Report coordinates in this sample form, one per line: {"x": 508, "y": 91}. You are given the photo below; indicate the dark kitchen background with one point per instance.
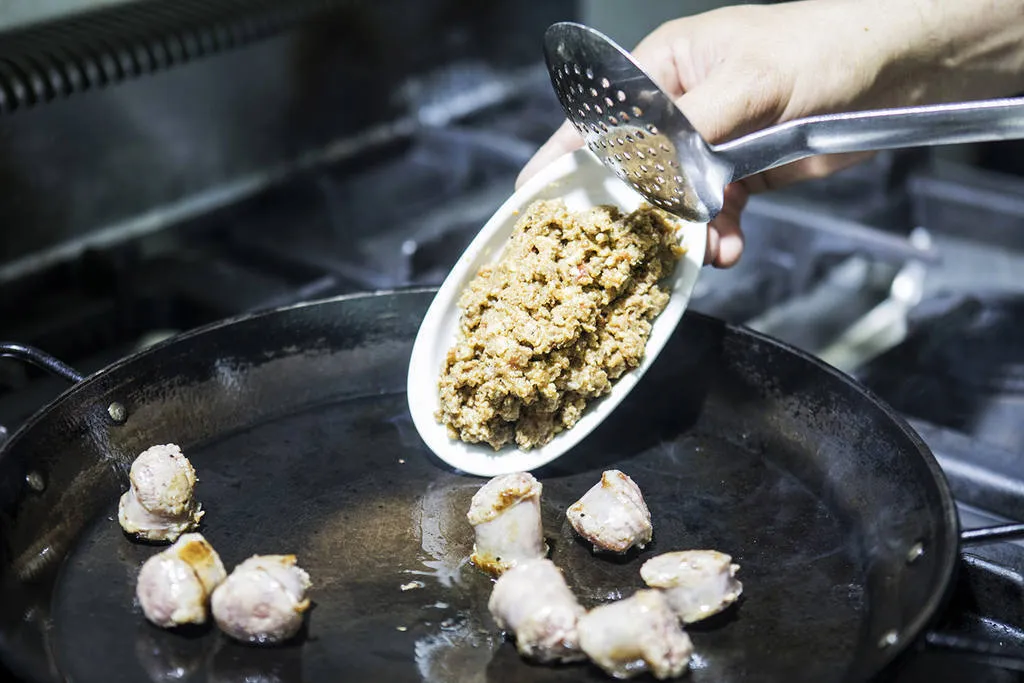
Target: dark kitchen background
{"x": 167, "y": 164}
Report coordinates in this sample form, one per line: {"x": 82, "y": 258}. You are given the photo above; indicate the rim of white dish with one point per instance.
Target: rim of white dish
{"x": 582, "y": 180}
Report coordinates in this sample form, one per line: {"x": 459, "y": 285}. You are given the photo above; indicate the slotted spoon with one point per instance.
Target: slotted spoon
{"x": 636, "y": 129}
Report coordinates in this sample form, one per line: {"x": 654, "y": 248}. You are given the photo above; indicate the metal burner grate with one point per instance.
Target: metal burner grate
{"x": 52, "y": 60}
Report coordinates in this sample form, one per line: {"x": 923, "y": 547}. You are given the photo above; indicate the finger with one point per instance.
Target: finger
{"x": 564, "y": 140}
{"x": 727, "y": 226}
{"x": 811, "y": 168}
{"x": 654, "y": 54}
{"x": 731, "y": 102}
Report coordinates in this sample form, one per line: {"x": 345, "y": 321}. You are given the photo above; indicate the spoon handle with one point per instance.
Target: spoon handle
{"x": 943, "y": 124}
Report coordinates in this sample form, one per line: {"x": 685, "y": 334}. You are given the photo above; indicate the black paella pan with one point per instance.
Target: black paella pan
{"x": 297, "y": 424}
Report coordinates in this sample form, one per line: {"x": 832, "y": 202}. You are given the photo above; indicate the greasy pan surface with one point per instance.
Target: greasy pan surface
{"x": 297, "y": 424}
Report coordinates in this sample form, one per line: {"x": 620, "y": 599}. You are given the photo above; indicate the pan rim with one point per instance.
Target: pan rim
{"x": 950, "y": 518}
{"x": 114, "y": 366}
{"x": 949, "y": 534}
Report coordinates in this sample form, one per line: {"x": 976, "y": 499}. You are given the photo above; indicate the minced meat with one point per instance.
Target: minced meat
{"x": 564, "y": 313}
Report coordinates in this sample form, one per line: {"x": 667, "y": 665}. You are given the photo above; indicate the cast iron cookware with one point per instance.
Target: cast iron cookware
{"x": 297, "y": 423}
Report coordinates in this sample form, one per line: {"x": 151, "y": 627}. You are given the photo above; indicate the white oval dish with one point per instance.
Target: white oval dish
{"x": 582, "y": 181}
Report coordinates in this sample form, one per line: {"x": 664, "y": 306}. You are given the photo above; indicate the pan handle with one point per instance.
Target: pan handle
{"x": 40, "y": 359}
{"x": 991, "y": 534}
{"x": 980, "y": 650}
{"x": 984, "y": 651}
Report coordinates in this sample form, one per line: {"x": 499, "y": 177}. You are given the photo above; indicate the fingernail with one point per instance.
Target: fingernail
{"x": 730, "y": 248}
{"x": 711, "y": 252}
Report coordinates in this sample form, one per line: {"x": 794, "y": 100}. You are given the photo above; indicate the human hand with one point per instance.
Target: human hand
{"x": 739, "y": 69}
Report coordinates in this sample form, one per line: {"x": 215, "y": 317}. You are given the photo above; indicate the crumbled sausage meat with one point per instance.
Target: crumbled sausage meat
{"x": 565, "y": 312}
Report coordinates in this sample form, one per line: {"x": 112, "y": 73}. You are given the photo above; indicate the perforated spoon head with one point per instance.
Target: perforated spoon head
{"x": 632, "y": 125}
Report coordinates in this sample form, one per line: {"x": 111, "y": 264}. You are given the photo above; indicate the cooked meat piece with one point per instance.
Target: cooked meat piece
{"x": 533, "y": 601}
{"x": 145, "y": 525}
{"x": 505, "y": 514}
{"x": 174, "y": 585}
{"x": 612, "y": 515}
{"x": 697, "y": 583}
{"x": 636, "y": 635}
{"x": 263, "y": 600}
{"x": 159, "y": 504}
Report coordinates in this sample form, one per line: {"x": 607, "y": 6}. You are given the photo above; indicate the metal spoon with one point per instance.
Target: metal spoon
{"x": 636, "y": 129}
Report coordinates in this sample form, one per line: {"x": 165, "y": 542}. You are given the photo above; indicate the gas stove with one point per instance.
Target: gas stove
{"x": 904, "y": 272}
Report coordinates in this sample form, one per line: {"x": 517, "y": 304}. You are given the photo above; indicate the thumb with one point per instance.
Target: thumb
{"x": 564, "y": 140}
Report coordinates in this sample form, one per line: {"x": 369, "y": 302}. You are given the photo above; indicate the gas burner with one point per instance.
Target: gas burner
{"x": 988, "y": 356}
{"x": 961, "y": 367}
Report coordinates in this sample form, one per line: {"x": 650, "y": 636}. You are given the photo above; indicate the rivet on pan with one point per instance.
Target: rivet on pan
{"x": 889, "y": 638}
{"x": 35, "y": 481}
{"x": 916, "y": 551}
{"x": 117, "y": 413}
